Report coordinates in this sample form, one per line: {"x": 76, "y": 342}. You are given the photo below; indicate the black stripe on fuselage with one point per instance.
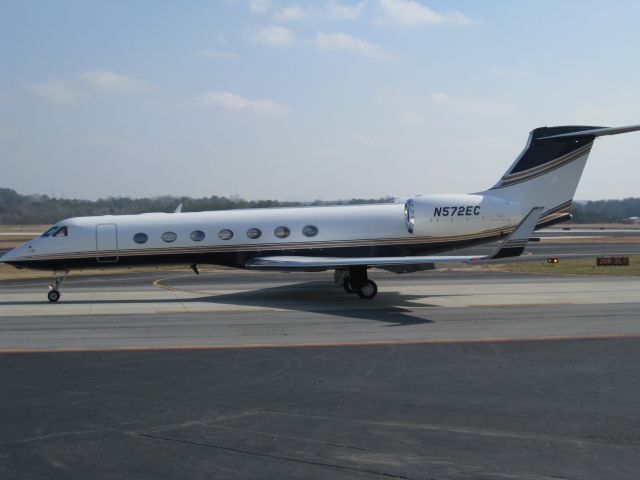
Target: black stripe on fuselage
{"x": 273, "y": 247}
{"x": 564, "y": 217}
{"x": 238, "y": 259}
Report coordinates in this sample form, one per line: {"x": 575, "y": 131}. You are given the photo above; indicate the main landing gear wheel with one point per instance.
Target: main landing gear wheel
{"x": 53, "y": 295}
{"x": 347, "y": 286}
{"x": 370, "y": 290}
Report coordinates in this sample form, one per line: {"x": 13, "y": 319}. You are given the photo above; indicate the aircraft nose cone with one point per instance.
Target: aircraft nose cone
{"x": 11, "y": 255}
{"x": 6, "y": 257}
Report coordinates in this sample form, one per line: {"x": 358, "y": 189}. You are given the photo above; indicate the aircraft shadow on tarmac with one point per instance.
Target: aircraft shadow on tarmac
{"x": 325, "y": 298}
{"x": 318, "y": 297}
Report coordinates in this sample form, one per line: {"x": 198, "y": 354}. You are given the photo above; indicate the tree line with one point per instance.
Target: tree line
{"x": 605, "y": 211}
{"x": 17, "y": 209}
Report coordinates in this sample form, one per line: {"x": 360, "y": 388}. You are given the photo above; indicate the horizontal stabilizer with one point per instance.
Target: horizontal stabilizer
{"x": 596, "y": 132}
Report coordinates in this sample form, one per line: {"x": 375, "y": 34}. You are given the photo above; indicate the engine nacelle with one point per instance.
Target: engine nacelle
{"x": 459, "y": 214}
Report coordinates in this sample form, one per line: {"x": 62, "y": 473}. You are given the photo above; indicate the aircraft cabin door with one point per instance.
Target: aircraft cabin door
{"x": 107, "y": 243}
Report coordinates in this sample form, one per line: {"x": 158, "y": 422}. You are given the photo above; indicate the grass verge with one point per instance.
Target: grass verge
{"x": 573, "y": 266}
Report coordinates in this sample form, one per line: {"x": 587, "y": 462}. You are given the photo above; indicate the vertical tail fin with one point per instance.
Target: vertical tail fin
{"x": 548, "y": 170}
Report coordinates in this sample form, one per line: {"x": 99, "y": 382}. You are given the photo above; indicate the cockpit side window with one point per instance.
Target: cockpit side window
{"x": 62, "y": 232}
{"x": 50, "y": 231}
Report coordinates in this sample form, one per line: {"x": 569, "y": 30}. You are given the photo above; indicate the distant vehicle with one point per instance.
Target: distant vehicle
{"x": 535, "y": 192}
{"x": 631, "y": 220}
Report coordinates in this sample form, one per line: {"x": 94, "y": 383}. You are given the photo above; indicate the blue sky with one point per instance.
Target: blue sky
{"x": 306, "y": 100}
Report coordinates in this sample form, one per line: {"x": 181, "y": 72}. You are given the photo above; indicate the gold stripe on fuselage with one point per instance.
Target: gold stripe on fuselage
{"x": 277, "y": 246}
{"x": 409, "y": 241}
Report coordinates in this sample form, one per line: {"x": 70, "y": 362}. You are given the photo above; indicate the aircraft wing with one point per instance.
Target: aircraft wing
{"x": 301, "y": 263}
{"x": 512, "y": 246}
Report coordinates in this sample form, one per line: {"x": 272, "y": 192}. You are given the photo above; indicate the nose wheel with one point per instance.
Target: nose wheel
{"x": 54, "y": 293}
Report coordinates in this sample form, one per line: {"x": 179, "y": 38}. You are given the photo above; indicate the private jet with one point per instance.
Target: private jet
{"x": 401, "y": 236}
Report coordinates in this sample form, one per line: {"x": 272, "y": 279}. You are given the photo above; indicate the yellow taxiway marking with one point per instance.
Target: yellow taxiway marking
{"x": 445, "y": 341}
{"x": 158, "y": 283}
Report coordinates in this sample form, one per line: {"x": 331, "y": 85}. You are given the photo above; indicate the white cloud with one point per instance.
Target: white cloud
{"x": 273, "y": 35}
{"x": 55, "y": 91}
{"x": 213, "y": 53}
{"x": 469, "y": 104}
{"x": 340, "y": 11}
{"x": 345, "y": 42}
{"x": 235, "y": 103}
{"x": 414, "y": 14}
{"x": 332, "y": 10}
{"x": 113, "y": 82}
{"x": 259, "y": 7}
{"x": 292, "y": 12}
{"x": 411, "y": 118}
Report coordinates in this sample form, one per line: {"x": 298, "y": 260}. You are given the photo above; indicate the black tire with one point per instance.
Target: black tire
{"x": 369, "y": 291}
{"x": 53, "y": 295}
{"x": 347, "y": 285}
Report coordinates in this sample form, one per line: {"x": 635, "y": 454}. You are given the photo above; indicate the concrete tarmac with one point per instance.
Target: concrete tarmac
{"x": 223, "y": 309}
{"x": 232, "y": 374}
{"x": 491, "y": 410}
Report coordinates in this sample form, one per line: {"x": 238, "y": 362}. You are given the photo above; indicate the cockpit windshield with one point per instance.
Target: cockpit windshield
{"x": 56, "y": 231}
{"x": 50, "y": 231}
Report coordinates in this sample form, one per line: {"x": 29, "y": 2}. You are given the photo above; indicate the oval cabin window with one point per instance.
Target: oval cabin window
{"x": 140, "y": 238}
{"x": 254, "y": 233}
{"x": 310, "y": 231}
{"x": 282, "y": 232}
{"x": 197, "y": 235}
{"x": 169, "y": 237}
{"x": 225, "y": 234}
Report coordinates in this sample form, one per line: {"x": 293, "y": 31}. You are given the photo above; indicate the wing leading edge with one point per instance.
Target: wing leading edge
{"x": 512, "y": 246}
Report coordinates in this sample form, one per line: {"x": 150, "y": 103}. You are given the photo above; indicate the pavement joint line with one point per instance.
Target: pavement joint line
{"x": 373, "y": 343}
{"x": 378, "y": 473}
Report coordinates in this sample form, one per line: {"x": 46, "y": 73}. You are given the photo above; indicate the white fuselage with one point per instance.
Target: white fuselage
{"x": 336, "y": 230}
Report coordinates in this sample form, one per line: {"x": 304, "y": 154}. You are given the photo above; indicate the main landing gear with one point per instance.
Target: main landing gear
{"x": 355, "y": 280}
{"x": 54, "y": 293}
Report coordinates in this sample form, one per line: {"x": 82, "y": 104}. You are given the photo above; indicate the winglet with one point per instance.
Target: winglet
{"x": 516, "y": 241}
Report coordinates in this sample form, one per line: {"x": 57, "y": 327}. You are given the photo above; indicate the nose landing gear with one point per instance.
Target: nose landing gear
{"x": 54, "y": 293}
